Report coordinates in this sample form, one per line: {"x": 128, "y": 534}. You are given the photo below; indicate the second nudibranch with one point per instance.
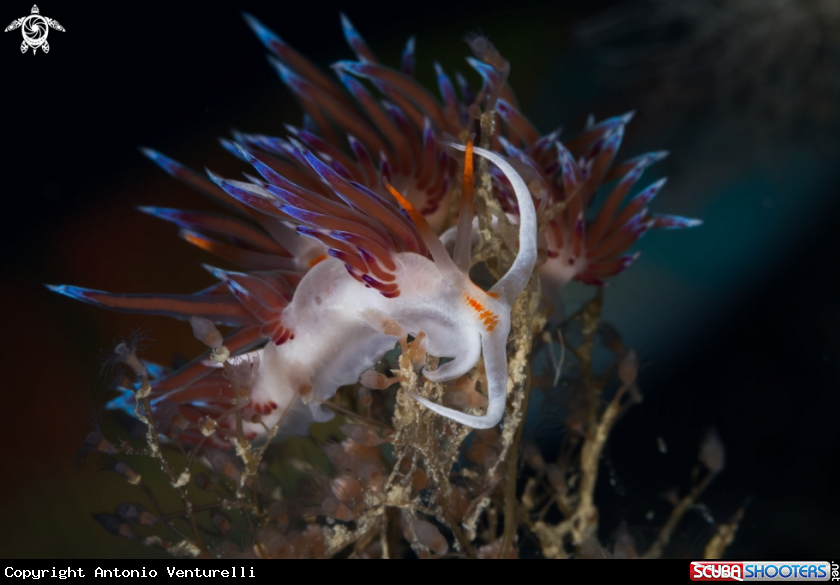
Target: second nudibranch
{"x": 341, "y": 328}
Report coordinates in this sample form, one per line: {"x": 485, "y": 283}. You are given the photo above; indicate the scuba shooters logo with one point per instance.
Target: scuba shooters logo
{"x": 797, "y": 571}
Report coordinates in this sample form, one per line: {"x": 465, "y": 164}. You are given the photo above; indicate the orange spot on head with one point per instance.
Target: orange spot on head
{"x": 487, "y": 317}
{"x": 475, "y": 304}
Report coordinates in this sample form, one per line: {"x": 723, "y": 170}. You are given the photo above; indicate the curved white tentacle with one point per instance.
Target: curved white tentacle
{"x": 513, "y": 282}
{"x": 459, "y": 366}
{"x": 508, "y": 288}
{"x": 495, "y": 364}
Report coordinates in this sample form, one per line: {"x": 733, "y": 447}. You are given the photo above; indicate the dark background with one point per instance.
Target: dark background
{"x": 736, "y": 321}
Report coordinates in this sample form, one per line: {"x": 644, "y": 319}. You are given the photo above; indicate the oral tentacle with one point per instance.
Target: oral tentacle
{"x": 495, "y": 364}
{"x": 514, "y": 281}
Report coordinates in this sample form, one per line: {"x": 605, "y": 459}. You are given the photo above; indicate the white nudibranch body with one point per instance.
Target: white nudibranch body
{"x": 340, "y": 325}
{"x": 382, "y": 273}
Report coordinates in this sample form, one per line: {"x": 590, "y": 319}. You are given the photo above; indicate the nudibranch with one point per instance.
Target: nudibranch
{"x": 386, "y": 275}
{"x": 346, "y": 313}
{"x": 337, "y": 239}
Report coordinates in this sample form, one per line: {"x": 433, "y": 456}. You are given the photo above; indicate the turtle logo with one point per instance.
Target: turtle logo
{"x": 35, "y": 28}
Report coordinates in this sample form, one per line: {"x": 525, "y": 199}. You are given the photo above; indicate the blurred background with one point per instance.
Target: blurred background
{"x": 737, "y": 322}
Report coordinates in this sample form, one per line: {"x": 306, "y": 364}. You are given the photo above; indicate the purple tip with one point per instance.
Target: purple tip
{"x": 627, "y": 261}
{"x": 407, "y": 60}
{"x": 218, "y": 179}
{"x": 675, "y": 222}
{"x": 447, "y": 91}
{"x": 161, "y": 212}
{"x": 487, "y": 72}
{"x": 156, "y": 211}
{"x": 566, "y": 163}
{"x": 614, "y": 122}
{"x": 217, "y": 272}
{"x": 287, "y": 75}
{"x": 614, "y": 141}
{"x": 74, "y": 292}
{"x": 233, "y": 148}
{"x": 354, "y": 67}
{"x": 268, "y": 38}
{"x": 163, "y": 161}
{"x": 651, "y": 191}
{"x": 657, "y": 156}
{"x": 354, "y": 39}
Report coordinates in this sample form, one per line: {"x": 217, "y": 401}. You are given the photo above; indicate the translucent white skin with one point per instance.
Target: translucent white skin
{"x": 339, "y": 325}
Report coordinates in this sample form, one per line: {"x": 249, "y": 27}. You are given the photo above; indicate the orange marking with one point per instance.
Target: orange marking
{"x": 317, "y": 260}
{"x": 196, "y": 240}
{"x": 467, "y": 180}
{"x": 486, "y": 316}
{"x": 494, "y": 295}
{"x": 416, "y": 217}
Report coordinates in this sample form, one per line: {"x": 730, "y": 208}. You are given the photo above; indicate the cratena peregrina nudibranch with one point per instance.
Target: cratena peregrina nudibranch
{"x": 340, "y": 252}
{"x": 386, "y": 274}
